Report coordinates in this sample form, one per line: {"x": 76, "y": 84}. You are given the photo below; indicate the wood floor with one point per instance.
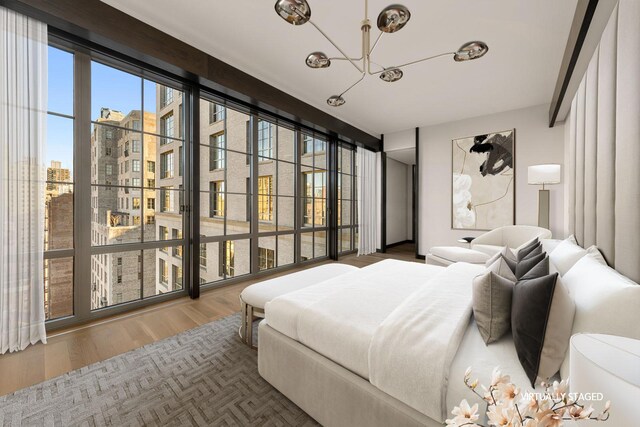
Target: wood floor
{"x": 81, "y": 346}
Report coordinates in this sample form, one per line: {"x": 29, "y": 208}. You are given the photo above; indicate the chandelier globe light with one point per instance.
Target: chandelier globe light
{"x": 390, "y": 20}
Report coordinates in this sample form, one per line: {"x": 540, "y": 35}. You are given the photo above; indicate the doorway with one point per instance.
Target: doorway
{"x": 400, "y": 206}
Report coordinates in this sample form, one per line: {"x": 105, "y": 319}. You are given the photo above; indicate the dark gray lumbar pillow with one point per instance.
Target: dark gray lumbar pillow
{"x": 541, "y": 319}
{"x": 527, "y": 264}
{"x": 538, "y": 270}
{"x": 524, "y": 251}
{"x": 492, "y": 305}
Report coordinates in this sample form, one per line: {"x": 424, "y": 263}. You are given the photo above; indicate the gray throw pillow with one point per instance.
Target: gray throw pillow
{"x": 525, "y": 265}
{"x": 508, "y": 256}
{"x": 502, "y": 269}
{"x": 541, "y": 320}
{"x": 524, "y": 252}
{"x": 493, "y": 258}
{"x": 538, "y": 270}
{"x": 492, "y": 305}
{"x": 534, "y": 252}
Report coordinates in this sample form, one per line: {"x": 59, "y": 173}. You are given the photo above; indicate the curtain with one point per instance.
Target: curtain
{"x": 603, "y": 154}
{"x": 367, "y": 201}
{"x": 23, "y": 106}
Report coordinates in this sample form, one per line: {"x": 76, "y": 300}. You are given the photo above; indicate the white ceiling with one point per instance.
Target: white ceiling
{"x": 526, "y": 41}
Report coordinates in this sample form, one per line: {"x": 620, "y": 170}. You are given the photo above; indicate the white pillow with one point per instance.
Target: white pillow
{"x": 548, "y": 245}
{"x": 566, "y": 254}
{"x": 606, "y": 302}
{"x": 595, "y": 253}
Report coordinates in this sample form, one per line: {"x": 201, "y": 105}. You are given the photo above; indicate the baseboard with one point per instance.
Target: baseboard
{"x": 392, "y": 245}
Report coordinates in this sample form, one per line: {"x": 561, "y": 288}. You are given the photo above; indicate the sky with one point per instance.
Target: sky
{"x": 110, "y": 88}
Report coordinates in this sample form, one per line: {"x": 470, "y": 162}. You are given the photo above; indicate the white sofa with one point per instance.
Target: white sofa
{"x": 486, "y": 245}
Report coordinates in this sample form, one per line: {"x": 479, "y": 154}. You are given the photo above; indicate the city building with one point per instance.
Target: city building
{"x": 123, "y": 208}
{"x": 58, "y": 234}
{"x": 56, "y": 177}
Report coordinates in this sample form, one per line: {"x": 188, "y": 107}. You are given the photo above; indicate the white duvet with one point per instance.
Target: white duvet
{"x": 337, "y": 318}
{"x": 413, "y": 348}
{"x": 403, "y": 326}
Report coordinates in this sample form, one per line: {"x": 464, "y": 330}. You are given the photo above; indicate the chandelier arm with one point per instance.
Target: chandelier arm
{"x": 417, "y": 61}
{"x": 376, "y": 42}
{"x": 377, "y": 65}
{"x": 340, "y": 58}
{"x": 335, "y": 45}
{"x": 353, "y": 85}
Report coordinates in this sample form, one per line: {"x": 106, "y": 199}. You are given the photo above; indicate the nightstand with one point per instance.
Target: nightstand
{"x": 609, "y": 365}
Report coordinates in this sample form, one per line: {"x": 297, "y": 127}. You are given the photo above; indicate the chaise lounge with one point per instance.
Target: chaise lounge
{"x": 486, "y": 245}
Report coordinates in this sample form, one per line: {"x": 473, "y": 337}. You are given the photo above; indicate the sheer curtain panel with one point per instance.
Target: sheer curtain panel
{"x": 367, "y": 201}
{"x": 23, "y": 104}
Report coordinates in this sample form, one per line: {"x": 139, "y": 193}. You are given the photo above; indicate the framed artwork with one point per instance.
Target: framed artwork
{"x": 483, "y": 181}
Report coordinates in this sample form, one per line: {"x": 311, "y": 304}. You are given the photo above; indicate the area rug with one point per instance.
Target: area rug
{"x": 202, "y": 377}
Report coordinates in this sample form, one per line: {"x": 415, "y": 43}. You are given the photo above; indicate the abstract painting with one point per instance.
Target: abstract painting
{"x": 483, "y": 181}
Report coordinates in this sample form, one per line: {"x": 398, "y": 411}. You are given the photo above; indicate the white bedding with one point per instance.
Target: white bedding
{"x": 424, "y": 333}
{"x": 482, "y": 358}
{"x": 338, "y": 318}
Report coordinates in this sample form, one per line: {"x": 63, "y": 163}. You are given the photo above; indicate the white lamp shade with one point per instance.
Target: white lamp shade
{"x": 609, "y": 365}
{"x": 544, "y": 174}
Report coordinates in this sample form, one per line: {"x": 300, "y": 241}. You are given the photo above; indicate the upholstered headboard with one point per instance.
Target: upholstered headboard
{"x": 602, "y": 168}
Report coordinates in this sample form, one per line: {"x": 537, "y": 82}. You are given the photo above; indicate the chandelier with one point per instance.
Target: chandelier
{"x": 391, "y": 19}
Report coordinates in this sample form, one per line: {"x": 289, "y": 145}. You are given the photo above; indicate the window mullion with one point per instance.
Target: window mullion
{"x": 255, "y": 226}
{"x": 82, "y": 195}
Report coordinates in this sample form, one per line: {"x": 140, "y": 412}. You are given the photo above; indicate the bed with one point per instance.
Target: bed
{"x": 365, "y": 352}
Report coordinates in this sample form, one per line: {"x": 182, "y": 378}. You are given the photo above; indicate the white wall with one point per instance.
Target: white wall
{"x": 379, "y": 199}
{"x": 535, "y": 143}
{"x": 400, "y": 140}
{"x": 396, "y": 201}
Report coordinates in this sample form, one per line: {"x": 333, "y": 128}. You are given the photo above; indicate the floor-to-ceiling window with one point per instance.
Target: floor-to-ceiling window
{"x": 133, "y": 123}
{"x": 313, "y": 195}
{"x": 119, "y": 152}
{"x": 225, "y": 197}
{"x": 276, "y": 183}
{"x": 103, "y": 233}
{"x": 59, "y": 189}
{"x": 347, "y": 200}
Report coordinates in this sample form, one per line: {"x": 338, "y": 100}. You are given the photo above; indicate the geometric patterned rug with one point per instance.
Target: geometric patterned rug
{"x": 201, "y": 377}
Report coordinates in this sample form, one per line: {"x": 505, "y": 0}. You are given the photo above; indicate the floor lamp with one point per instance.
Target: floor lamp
{"x": 543, "y": 175}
